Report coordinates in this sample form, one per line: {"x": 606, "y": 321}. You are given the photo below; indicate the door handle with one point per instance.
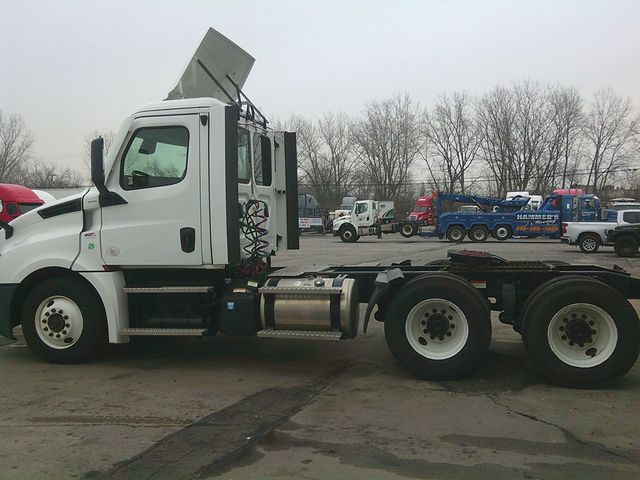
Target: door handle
{"x": 188, "y": 239}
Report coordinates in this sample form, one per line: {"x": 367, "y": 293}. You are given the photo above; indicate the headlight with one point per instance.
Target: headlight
{"x": 1, "y": 206}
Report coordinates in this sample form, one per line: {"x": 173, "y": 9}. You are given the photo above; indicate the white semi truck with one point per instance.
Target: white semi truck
{"x": 196, "y": 195}
{"x": 372, "y": 217}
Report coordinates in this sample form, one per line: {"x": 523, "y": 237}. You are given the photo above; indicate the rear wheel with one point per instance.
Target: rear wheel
{"x": 626, "y": 246}
{"x": 63, "y": 321}
{"x": 438, "y": 327}
{"x": 348, "y": 234}
{"x": 502, "y": 233}
{"x": 580, "y": 332}
{"x": 478, "y": 233}
{"x": 589, "y": 243}
{"x": 456, "y": 234}
{"x": 408, "y": 230}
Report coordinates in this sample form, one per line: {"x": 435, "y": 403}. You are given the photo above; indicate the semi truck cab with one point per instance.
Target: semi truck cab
{"x": 16, "y": 200}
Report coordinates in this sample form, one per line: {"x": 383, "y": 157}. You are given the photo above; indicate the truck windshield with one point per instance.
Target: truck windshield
{"x": 27, "y": 207}
{"x": 418, "y": 208}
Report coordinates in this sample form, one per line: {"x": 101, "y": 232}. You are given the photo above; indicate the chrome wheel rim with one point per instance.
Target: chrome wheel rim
{"x": 589, "y": 244}
{"x": 436, "y": 329}
{"x": 582, "y": 335}
{"x": 59, "y": 322}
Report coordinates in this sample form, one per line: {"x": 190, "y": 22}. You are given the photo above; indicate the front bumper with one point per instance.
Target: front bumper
{"x": 7, "y": 291}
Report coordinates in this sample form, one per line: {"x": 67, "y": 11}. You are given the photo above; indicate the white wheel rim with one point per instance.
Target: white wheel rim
{"x": 447, "y": 330}
{"x": 407, "y": 229}
{"x": 589, "y": 244}
{"x": 478, "y": 234}
{"x": 58, "y": 322}
{"x": 347, "y": 234}
{"x": 456, "y": 234}
{"x": 502, "y": 232}
{"x": 582, "y": 335}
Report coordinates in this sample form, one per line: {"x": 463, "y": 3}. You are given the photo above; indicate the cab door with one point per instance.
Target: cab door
{"x": 363, "y": 213}
{"x": 158, "y": 175}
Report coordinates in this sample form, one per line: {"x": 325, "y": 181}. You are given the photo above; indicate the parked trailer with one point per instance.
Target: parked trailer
{"x": 148, "y": 254}
{"x": 510, "y": 218}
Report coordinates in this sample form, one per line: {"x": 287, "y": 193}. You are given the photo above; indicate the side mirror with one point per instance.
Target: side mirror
{"x": 106, "y": 198}
{"x": 97, "y": 163}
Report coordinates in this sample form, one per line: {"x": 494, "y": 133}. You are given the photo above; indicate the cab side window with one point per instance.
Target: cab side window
{"x": 631, "y": 217}
{"x": 262, "y": 160}
{"x": 12, "y": 209}
{"x": 361, "y": 208}
{"x": 244, "y": 156}
{"x": 155, "y": 157}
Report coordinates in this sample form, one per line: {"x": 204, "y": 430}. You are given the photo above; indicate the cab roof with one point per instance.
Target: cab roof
{"x": 201, "y": 102}
{"x": 18, "y": 193}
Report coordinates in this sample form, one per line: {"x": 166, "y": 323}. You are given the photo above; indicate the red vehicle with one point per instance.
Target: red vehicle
{"x": 569, "y": 191}
{"x": 423, "y": 211}
{"x": 16, "y": 200}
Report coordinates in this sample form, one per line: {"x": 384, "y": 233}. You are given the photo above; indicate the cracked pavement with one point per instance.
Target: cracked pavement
{"x": 245, "y": 408}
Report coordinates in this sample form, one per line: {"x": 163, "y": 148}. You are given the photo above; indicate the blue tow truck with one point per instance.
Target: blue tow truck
{"x": 503, "y": 219}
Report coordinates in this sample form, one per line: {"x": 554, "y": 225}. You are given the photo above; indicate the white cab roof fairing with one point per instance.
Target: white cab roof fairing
{"x": 221, "y": 57}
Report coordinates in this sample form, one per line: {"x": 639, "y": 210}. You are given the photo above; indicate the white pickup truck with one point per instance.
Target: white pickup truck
{"x": 589, "y": 236}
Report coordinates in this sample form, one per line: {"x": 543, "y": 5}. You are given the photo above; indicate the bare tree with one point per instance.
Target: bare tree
{"x": 15, "y": 148}
{"x": 108, "y": 136}
{"x": 49, "y": 175}
{"x": 326, "y": 157}
{"x": 452, "y": 135}
{"x": 388, "y": 139}
{"x": 610, "y": 128}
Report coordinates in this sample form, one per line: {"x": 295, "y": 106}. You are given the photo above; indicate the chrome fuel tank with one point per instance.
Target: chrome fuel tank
{"x": 311, "y": 304}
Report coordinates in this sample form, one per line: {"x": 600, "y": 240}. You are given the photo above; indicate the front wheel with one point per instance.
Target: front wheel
{"x": 63, "y": 321}
{"x": 348, "y": 234}
{"x": 581, "y": 332}
{"x": 438, "y": 327}
{"x": 502, "y": 233}
{"x": 589, "y": 243}
{"x": 626, "y": 246}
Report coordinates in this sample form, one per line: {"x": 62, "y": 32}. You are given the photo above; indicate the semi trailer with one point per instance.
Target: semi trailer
{"x": 176, "y": 235}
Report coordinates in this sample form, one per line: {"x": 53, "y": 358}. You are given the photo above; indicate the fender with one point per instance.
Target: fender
{"x": 381, "y": 294}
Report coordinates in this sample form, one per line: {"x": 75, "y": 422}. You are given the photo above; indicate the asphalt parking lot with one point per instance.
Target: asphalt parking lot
{"x": 253, "y": 409}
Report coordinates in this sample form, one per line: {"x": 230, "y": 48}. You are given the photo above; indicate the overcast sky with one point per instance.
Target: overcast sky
{"x": 70, "y": 67}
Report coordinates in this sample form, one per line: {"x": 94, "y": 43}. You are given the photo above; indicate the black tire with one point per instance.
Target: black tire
{"x": 478, "y": 233}
{"x": 542, "y": 309}
{"x": 589, "y": 243}
{"x": 473, "y": 316}
{"x": 502, "y": 232}
{"x": 348, "y": 234}
{"x": 91, "y": 325}
{"x": 456, "y": 234}
{"x": 626, "y": 246}
{"x": 408, "y": 229}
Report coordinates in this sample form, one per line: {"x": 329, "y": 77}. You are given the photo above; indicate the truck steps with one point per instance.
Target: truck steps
{"x": 170, "y": 289}
{"x": 301, "y": 334}
{"x": 163, "y": 332}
